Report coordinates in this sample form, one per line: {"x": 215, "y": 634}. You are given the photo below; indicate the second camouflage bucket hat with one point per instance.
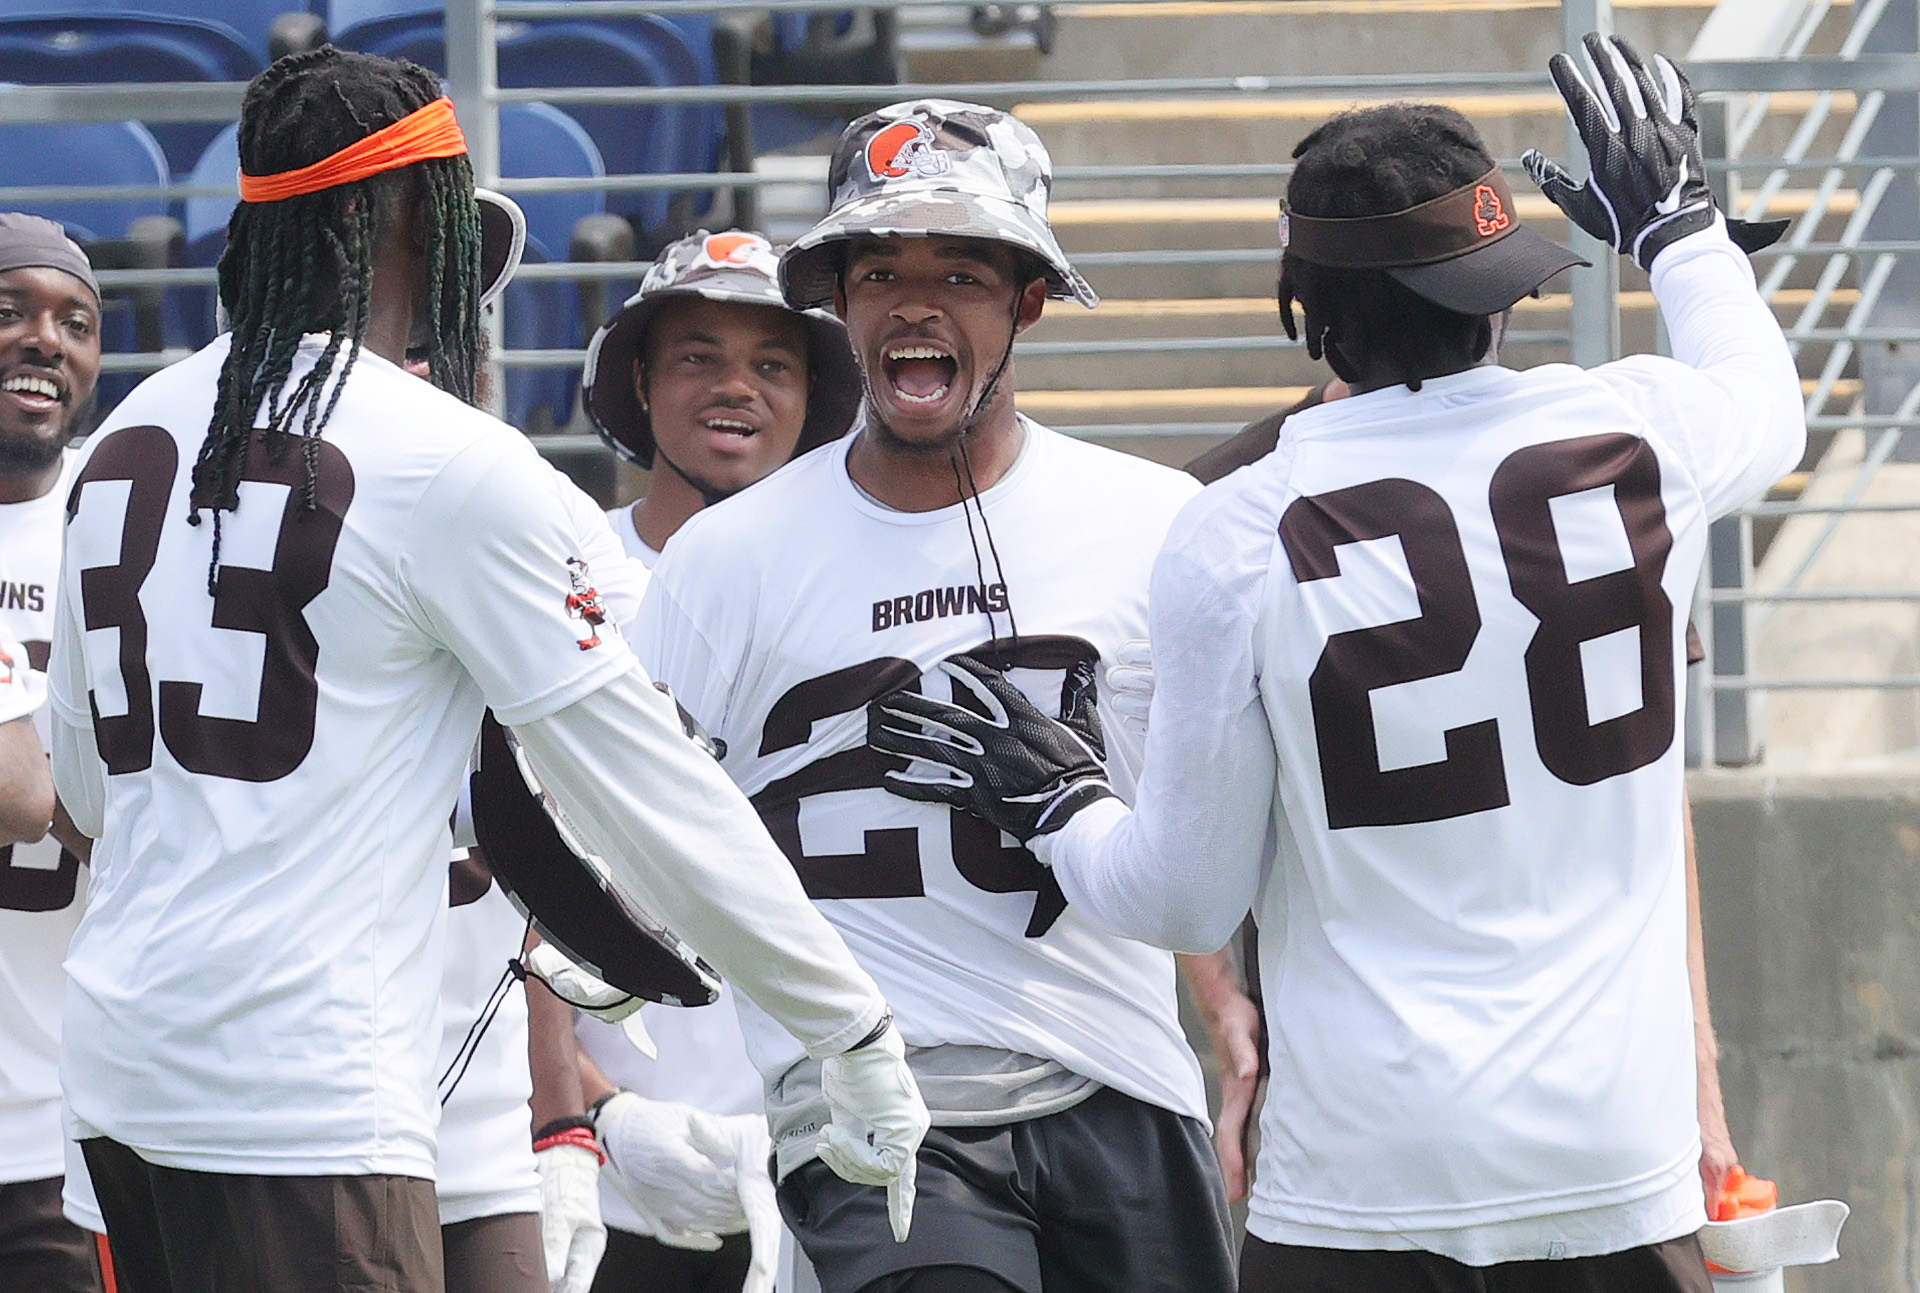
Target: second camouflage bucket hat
{"x": 934, "y": 166}
{"x": 735, "y": 267}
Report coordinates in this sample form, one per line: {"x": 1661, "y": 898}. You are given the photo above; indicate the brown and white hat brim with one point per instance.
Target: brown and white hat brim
{"x": 614, "y": 407}
{"x": 809, "y": 271}
{"x": 503, "y": 241}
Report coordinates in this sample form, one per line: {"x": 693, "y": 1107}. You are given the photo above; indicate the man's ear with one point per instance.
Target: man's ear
{"x": 1033, "y": 303}
{"x": 640, "y": 380}
{"x": 840, "y": 297}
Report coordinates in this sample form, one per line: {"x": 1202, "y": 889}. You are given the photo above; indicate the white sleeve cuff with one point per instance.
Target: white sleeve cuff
{"x": 1079, "y": 837}
{"x": 1711, "y": 241}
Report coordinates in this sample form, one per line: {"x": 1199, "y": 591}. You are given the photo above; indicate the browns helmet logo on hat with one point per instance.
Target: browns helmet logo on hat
{"x": 905, "y": 148}
{"x": 733, "y": 248}
{"x": 1489, "y": 212}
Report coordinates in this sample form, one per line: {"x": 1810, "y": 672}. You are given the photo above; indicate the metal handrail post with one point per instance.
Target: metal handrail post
{"x": 472, "y": 80}
{"x": 473, "y": 84}
{"x": 1596, "y": 287}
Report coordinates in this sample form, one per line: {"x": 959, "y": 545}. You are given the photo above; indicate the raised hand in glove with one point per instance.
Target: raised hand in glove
{"x": 878, "y": 1122}
{"x": 994, "y": 753}
{"x": 675, "y": 1165}
{"x": 1648, "y": 185}
{"x": 571, "y": 1233}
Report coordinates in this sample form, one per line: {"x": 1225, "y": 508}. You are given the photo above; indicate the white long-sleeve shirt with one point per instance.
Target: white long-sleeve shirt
{"x": 269, "y": 771}
{"x": 1416, "y": 708}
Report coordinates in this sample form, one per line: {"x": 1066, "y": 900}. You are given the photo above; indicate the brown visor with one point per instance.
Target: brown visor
{"x": 1465, "y": 250}
{"x": 1453, "y": 224}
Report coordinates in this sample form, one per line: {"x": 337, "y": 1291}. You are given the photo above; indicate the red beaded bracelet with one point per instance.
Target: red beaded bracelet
{"x": 578, "y": 1136}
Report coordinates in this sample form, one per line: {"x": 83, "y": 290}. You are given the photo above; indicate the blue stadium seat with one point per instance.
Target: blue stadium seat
{"x": 344, "y": 15}
{"x": 206, "y": 217}
{"x": 250, "y": 20}
{"x": 110, "y": 47}
{"x": 537, "y": 139}
{"x": 633, "y": 139}
{"x": 192, "y": 310}
{"x": 90, "y": 153}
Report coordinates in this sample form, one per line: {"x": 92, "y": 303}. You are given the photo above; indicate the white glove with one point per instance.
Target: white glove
{"x": 589, "y": 993}
{"x": 1130, "y": 684}
{"x": 571, "y": 1231}
{"x": 749, "y": 1146}
{"x": 23, "y": 689}
{"x": 878, "y": 1123}
{"x": 675, "y": 1165}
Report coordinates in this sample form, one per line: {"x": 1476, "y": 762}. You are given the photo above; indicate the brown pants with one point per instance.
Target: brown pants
{"x": 177, "y": 1231}
{"x": 1672, "y": 1267}
{"x": 495, "y": 1254}
{"x": 40, "y": 1250}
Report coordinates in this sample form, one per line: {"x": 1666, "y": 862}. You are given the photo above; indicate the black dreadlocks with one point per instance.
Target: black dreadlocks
{"x": 1374, "y": 162}
{"x": 305, "y": 265}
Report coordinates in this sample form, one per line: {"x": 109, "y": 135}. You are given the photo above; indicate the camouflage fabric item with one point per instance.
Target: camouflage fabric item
{"x": 740, "y": 268}
{"x": 934, "y": 166}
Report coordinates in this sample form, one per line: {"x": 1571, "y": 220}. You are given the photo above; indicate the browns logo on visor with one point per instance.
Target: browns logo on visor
{"x": 1462, "y": 250}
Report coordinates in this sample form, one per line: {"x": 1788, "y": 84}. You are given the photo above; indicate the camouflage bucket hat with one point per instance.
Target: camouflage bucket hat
{"x": 934, "y": 166}
{"x": 739, "y": 268}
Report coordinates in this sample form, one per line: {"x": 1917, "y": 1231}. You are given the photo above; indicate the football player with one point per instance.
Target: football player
{"x": 710, "y": 382}
{"x": 294, "y": 576}
{"x": 49, "y": 360}
{"x": 1431, "y": 642}
{"x": 1070, "y": 1148}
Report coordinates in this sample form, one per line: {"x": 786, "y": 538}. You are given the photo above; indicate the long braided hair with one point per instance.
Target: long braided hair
{"x": 305, "y": 265}
{"x": 1373, "y": 162}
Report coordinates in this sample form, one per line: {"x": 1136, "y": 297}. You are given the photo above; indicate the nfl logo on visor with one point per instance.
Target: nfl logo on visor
{"x": 905, "y": 148}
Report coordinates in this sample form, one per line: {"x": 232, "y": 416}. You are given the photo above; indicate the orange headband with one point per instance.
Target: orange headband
{"x": 431, "y": 132}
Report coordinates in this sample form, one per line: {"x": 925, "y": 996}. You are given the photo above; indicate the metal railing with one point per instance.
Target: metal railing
{"x": 1740, "y": 596}
{"x": 1844, "y": 252}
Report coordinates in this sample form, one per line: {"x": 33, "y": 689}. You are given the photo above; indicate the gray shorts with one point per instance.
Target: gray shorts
{"x": 1111, "y": 1196}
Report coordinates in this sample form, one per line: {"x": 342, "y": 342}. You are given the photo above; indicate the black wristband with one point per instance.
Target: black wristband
{"x": 558, "y": 1125}
{"x": 879, "y": 1031}
{"x": 593, "y": 1110}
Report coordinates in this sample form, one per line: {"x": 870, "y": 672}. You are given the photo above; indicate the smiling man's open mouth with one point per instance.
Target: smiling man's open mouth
{"x": 728, "y": 425}
{"x": 33, "y": 390}
{"x": 920, "y": 372}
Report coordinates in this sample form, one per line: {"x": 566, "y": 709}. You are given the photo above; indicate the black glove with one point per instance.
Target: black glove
{"x": 1648, "y": 186}
{"x": 1754, "y": 235}
{"x": 994, "y": 753}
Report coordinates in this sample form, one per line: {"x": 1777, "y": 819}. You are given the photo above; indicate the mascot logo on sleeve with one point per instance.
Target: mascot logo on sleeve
{"x": 1489, "y": 212}
{"x": 583, "y": 603}
{"x": 906, "y": 148}
{"x": 736, "y": 249}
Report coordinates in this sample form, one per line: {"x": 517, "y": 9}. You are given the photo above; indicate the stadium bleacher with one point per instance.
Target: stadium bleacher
{"x": 106, "y": 47}
{"x": 250, "y": 20}
{"x": 633, "y": 139}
